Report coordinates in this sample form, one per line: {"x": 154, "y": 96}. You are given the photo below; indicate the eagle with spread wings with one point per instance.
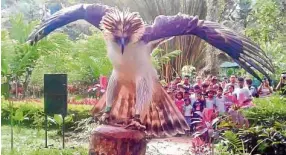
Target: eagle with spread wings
{"x": 134, "y": 96}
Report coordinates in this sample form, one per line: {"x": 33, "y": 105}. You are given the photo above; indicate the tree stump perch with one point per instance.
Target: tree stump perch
{"x": 110, "y": 140}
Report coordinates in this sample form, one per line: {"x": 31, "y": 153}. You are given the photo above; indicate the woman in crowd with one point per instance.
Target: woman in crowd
{"x": 265, "y": 90}
{"x": 282, "y": 84}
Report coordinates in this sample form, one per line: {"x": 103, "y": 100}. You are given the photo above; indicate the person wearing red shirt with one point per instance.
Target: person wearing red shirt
{"x": 179, "y": 101}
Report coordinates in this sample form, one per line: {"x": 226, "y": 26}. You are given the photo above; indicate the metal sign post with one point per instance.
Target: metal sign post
{"x": 46, "y": 131}
{"x": 11, "y": 121}
{"x": 63, "y": 130}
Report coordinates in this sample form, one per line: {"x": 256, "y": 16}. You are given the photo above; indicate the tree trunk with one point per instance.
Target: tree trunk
{"x": 25, "y": 84}
{"x": 211, "y": 52}
{"x": 16, "y": 91}
{"x": 110, "y": 140}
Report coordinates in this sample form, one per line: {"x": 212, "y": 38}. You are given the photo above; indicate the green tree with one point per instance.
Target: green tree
{"x": 266, "y": 26}
{"x": 18, "y": 57}
{"x": 84, "y": 60}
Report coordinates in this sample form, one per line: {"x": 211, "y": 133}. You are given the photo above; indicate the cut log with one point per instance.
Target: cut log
{"x": 110, "y": 140}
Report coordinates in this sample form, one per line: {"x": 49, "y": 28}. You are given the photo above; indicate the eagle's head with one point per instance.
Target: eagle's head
{"x": 122, "y": 28}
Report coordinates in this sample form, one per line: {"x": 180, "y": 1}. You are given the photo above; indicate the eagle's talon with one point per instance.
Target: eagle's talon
{"x": 104, "y": 118}
{"x": 135, "y": 125}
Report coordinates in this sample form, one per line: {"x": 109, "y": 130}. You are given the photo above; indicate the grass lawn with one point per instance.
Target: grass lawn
{"x": 32, "y": 142}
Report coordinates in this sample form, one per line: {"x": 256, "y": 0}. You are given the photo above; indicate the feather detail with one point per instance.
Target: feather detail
{"x": 239, "y": 47}
{"x": 123, "y": 24}
{"x": 161, "y": 118}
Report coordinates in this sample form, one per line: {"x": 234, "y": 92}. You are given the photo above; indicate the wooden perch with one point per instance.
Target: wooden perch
{"x": 110, "y": 140}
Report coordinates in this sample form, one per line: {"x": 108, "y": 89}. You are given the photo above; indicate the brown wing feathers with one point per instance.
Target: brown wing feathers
{"x": 162, "y": 118}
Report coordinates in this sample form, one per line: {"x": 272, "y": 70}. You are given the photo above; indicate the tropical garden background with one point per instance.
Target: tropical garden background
{"x": 78, "y": 50}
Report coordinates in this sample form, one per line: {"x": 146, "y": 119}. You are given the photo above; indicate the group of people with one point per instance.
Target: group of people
{"x": 213, "y": 93}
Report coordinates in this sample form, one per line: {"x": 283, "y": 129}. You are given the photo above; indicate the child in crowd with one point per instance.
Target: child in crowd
{"x": 230, "y": 97}
{"x": 187, "y": 109}
{"x": 210, "y": 100}
{"x": 187, "y": 95}
{"x": 220, "y": 101}
{"x": 204, "y": 89}
{"x": 179, "y": 101}
{"x": 198, "y": 106}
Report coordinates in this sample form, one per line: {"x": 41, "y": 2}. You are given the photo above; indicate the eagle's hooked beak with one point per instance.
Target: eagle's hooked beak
{"x": 122, "y": 43}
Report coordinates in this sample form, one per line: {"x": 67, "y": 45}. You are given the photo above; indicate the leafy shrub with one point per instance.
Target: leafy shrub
{"x": 33, "y": 114}
{"x": 267, "y": 134}
{"x": 267, "y": 111}
{"x": 260, "y": 140}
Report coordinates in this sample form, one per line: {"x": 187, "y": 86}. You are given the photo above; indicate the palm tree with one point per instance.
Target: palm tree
{"x": 159, "y": 59}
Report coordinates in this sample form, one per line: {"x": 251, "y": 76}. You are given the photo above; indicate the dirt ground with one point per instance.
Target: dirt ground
{"x": 169, "y": 146}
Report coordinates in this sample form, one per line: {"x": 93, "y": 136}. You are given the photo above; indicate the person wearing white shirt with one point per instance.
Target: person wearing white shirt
{"x": 187, "y": 111}
{"x": 243, "y": 94}
{"x": 210, "y": 100}
{"x": 193, "y": 96}
{"x": 233, "y": 82}
{"x": 220, "y": 101}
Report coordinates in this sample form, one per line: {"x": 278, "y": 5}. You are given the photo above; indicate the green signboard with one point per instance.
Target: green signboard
{"x": 55, "y": 94}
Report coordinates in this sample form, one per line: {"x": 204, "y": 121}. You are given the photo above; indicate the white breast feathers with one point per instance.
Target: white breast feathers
{"x": 135, "y": 61}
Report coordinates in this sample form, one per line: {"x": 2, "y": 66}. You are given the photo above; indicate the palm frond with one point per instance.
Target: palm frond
{"x": 233, "y": 140}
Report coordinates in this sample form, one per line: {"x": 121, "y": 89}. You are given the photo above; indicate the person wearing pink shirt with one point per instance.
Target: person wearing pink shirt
{"x": 230, "y": 97}
{"x": 179, "y": 101}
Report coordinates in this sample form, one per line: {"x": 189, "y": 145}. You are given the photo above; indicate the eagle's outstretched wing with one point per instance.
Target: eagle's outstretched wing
{"x": 243, "y": 51}
{"x": 92, "y": 13}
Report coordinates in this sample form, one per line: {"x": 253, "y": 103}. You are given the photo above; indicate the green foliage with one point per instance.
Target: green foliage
{"x": 59, "y": 119}
{"x": 159, "y": 59}
{"x": 222, "y": 149}
{"x": 31, "y": 142}
{"x": 19, "y": 115}
{"x": 266, "y": 27}
{"x": 232, "y": 141}
{"x": 31, "y": 113}
{"x": 91, "y": 51}
{"x": 267, "y": 111}
{"x": 19, "y": 29}
{"x": 7, "y": 51}
{"x": 16, "y": 54}
{"x": 267, "y": 133}
{"x": 83, "y": 60}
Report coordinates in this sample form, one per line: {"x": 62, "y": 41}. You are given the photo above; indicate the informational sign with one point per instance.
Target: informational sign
{"x": 55, "y": 94}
